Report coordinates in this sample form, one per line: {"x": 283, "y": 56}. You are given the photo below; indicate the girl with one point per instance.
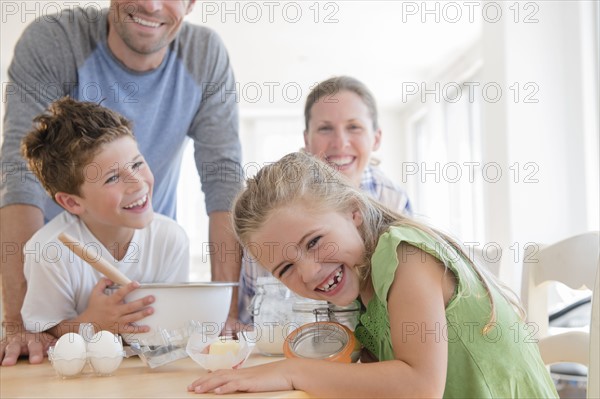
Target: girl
{"x": 341, "y": 127}
{"x": 437, "y": 324}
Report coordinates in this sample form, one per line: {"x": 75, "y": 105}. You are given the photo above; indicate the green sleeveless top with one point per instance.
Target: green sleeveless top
{"x": 504, "y": 363}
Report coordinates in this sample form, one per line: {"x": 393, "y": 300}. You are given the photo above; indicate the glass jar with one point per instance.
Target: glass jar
{"x": 273, "y": 315}
{"x": 348, "y": 315}
{"x": 313, "y": 338}
{"x": 310, "y": 311}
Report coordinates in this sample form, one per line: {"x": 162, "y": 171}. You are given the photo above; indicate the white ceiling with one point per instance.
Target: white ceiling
{"x": 380, "y": 42}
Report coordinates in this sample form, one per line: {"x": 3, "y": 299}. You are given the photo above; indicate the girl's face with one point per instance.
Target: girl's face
{"x": 313, "y": 253}
{"x": 340, "y": 131}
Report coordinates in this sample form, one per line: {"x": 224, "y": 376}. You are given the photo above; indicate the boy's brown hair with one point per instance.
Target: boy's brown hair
{"x": 66, "y": 138}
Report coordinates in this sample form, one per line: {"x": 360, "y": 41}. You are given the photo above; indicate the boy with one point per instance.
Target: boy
{"x": 88, "y": 161}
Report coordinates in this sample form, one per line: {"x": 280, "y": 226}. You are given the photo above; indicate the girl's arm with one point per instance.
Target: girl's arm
{"x": 416, "y": 303}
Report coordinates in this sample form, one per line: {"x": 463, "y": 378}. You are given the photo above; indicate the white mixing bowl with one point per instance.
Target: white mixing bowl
{"x": 180, "y": 307}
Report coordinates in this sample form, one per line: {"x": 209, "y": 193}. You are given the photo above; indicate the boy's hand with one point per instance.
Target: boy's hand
{"x": 111, "y": 313}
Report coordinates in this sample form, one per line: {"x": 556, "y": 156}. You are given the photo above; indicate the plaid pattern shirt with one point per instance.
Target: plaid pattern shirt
{"x": 380, "y": 187}
{"x": 374, "y": 182}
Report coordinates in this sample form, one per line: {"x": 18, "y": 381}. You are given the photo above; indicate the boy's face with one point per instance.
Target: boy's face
{"x": 117, "y": 189}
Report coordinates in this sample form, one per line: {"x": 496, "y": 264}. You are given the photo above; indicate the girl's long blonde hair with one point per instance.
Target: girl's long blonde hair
{"x": 301, "y": 178}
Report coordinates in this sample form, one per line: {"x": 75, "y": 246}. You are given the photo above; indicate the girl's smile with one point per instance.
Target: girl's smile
{"x": 332, "y": 281}
{"x": 315, "y": 255}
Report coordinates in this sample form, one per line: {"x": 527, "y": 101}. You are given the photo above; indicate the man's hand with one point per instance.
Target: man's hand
{"x": 19, "y": 222}
{"x": 233, "y": 326}
{"x": 21, "y": 342}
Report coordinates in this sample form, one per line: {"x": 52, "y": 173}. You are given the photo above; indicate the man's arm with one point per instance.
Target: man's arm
{"x": 226, "y": 254}
{"x": 218, "y": 155}
{"x": 19, "y": 222}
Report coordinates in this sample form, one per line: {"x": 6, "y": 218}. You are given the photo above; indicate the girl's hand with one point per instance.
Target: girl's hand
{"x": 111, "y": 313}
{"x": 274, "y": 376}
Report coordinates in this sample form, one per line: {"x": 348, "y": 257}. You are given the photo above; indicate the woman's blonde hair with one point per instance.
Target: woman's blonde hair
{"x": 301, "y": 178}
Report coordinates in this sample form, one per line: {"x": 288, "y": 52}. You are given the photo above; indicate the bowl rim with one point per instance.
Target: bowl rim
{"x": 183, "y": 285}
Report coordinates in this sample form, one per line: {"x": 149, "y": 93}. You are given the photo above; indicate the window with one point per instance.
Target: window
{"x": 264, "y": 139}
{"x": 446, "y": 144}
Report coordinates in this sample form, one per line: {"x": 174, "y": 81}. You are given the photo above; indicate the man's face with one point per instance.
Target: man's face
{"x": 145, "y": 27}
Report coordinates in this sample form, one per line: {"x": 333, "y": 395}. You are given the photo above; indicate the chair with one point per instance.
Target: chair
{"x": 573, "y": 262}
{"x": 593, "y": 388}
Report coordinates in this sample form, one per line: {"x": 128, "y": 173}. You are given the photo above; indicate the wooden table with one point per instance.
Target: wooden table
{"x": 132, "y": 379}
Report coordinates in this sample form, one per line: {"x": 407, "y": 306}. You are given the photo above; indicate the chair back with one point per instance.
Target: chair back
{"x": 573, "y": 262}
{"x": 593, "y": 385}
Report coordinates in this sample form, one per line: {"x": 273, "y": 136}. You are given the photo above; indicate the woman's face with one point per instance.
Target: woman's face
{"x": 340, "y": 131}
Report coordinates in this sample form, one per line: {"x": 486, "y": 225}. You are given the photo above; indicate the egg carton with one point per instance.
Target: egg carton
{"x": 72, "y": 353}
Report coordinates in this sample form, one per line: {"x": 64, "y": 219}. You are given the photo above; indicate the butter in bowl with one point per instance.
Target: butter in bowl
{"x": 214, "y": 352}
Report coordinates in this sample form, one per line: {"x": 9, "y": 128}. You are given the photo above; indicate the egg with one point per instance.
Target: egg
{"x": 69, "y": 355}
{"x": 105, "y": 352}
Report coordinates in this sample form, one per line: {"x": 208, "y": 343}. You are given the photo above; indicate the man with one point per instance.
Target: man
{"x": 172, "y": 79}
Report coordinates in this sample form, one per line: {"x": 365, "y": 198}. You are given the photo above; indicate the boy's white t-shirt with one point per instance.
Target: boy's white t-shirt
{"x": 59, "y": 283}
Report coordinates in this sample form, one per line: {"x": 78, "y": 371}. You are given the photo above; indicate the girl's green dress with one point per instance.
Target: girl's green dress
{"x": 504, "y": 363}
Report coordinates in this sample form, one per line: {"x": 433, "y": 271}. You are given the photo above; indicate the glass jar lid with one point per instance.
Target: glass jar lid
{"x": 321, "y": 340}
{"x": 353, "y": 306}
{"x": 304, "y": 305}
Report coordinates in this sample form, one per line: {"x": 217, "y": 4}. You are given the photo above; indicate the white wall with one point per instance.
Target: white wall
{"x": 545, "y": 141}
{"x": 557, "y": 136}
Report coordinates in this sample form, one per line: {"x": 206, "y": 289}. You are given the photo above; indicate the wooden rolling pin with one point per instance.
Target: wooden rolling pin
{"x": 100, "y": 264}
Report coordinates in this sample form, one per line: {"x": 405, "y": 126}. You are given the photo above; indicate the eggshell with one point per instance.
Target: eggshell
{"x": 69, "y": 355}
{"x": 106, "y": 365}
{"x": 105, "y": 352}
{"x": 104, "y": 343}
{"x": 70, "y": 346}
